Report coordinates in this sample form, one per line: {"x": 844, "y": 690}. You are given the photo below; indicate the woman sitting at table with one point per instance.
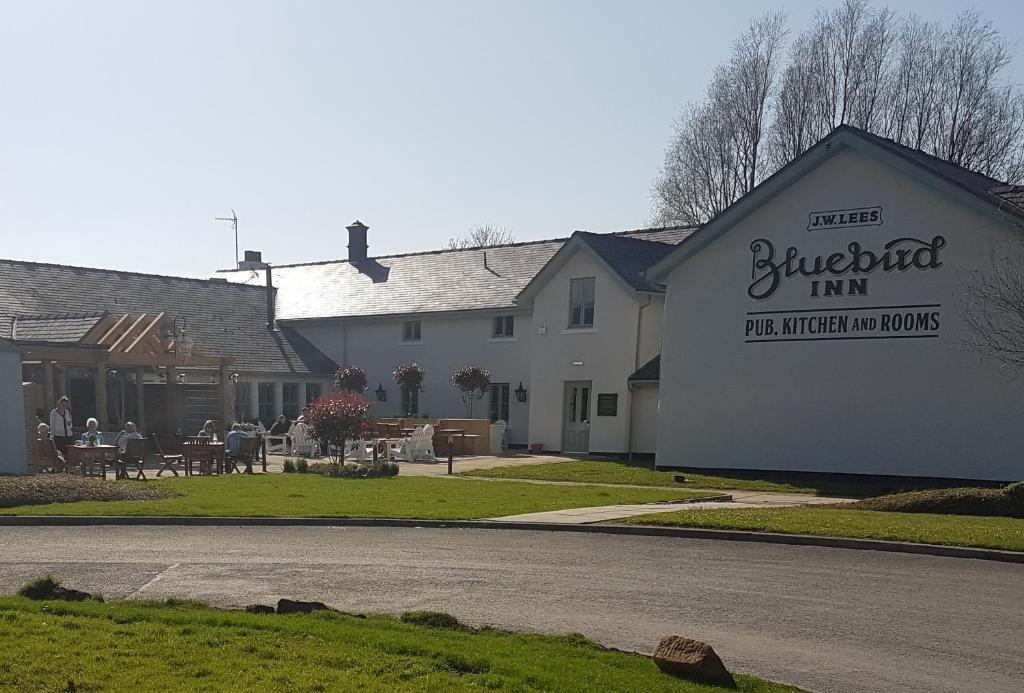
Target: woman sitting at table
{"x": 43, "y": 432}
{"x": 130, "y": 432}
{"x": 92, "y": 435}
{"x": 209, "y": 431}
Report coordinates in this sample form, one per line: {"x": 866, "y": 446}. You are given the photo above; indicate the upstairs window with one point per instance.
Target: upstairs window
{"x": 504, "y": 326}
{"x": 411, "y": 331}
{"x": 581, "y": 302}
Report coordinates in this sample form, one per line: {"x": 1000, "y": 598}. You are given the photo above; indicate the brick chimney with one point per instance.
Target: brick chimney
{"x": 357, "y": 247}
{"x": 253, "y": 260}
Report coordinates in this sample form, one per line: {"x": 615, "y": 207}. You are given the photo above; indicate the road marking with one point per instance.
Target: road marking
{"x": 156, "y": 578}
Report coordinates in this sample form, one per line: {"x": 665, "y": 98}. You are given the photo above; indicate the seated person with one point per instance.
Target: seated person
{"x": 43, "y": 432}
{"x": 209, "y": 431}
{"x": 92, "y": 433}
{"x": 233, "y": 440}
{"x": 280, "y": 427}
{"x": 130, "y": 432}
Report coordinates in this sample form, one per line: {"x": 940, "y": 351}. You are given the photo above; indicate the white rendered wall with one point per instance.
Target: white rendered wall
{"x": 912, "y": 406}
{"x": 645, "y": 418}
{"x": 607, "y": 353}
{"x": 448, "y": 342}
{"x": 12, "y": 415}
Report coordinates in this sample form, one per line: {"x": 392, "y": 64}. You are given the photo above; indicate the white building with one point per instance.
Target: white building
{"x": 818, "y": 323}
{"x": 12, "y": 411}
{"x": 563, "y": 322}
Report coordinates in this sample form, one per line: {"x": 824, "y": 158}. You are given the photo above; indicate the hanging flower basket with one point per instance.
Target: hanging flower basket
{"x": 351, "y": 379}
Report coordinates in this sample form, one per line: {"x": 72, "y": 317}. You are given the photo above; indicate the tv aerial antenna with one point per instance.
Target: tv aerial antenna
{"x": 234, "y": 227}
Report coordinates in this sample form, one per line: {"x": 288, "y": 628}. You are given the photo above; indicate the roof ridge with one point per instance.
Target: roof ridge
{"x": 417, "y": 253}
{"x": 889, "y": 142}
{"x": 148, "y": 275}
{"x": 625, "y": 238}
{"x": 439, "y": 251}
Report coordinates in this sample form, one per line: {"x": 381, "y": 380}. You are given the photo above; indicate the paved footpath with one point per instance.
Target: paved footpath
{"x": 741, "y": 499}
{"x": 821, "y": 618}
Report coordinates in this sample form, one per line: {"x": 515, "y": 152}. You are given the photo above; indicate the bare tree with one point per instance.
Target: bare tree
{"x": 942, "y": 91}
{"x": 481, "y": 236}
{"x": 716, "y": 154}
{"x": 994, "y": 310}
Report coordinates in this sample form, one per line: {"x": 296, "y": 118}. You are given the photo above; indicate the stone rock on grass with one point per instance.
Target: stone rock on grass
{"x": 288, "y": 606}
{"x": 693, "y": 660}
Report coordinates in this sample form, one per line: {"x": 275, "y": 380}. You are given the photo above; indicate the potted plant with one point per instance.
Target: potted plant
{"x": 336, "y": 419}
{"x": 472, "y": 382}
{"x": 351, "y": 379}
{"x": 409, "y": 378}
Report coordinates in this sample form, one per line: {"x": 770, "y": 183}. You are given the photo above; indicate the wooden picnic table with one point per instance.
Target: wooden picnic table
{"x": 450, "y": 433}
{"x": 203, "y": 448}
{"x": 84, "y": 455}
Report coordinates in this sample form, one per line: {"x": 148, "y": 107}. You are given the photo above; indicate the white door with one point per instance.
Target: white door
{"x": 576, "y": 427}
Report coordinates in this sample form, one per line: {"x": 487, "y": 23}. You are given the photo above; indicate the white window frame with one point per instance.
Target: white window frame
{"x": 503, "y": 327}
{"x": 504, "y": 392}
{"x": 412, "y": 332}
{"x": 582, "y": 295}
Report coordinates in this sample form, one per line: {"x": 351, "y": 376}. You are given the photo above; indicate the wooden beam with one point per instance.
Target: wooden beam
{"x": 226, "y": 398}
{"x": 127, "y": 334}
{"x": 99, "y": 327}
{"x": 101, "y": 396}
{"x": 65, "y": 384}
{"x": 64, "y": 354}
{"x": 140, "y": 409}
{"x": 146, "y": 332}
{"x": 48, "y": 386}
{"x": 172, "y": 400}
{"x": 120, "y": 358}
{"x": 111, "y": 334}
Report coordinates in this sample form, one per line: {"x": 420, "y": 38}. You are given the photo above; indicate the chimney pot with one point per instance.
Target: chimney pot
{"x": 357, "y": 247}
{"x": 252, "y": 260}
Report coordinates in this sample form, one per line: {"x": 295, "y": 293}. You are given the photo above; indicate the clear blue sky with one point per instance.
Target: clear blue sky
{"x": 125, "y": 127}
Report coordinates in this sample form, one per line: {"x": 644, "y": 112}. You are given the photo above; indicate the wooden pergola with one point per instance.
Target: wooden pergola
{"x": 140, "y": 342}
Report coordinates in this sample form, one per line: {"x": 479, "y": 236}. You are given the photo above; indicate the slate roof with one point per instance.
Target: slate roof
{"x": 628, "y": 256}
{"x": 429, "y": 282}
{"x": 63, "y": 328}
{"x": 989, "y": 189}
{"x": 225, "y": 319}
{"x": 648, "y": 372}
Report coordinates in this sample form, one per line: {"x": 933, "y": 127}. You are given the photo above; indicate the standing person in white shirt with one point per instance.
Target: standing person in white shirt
{"x": 61, "y": 426}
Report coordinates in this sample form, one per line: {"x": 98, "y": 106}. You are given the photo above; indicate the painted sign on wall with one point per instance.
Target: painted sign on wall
{"x": 843, "y": 272}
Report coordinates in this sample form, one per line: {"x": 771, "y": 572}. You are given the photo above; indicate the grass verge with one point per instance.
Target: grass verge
{"x": 954, "y": 530}
{"x": 644, "y": 474}
{"x": 149, "y": 646}
{"x": 308, "y": 495}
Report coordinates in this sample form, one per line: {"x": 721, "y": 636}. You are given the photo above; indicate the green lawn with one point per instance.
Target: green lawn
{"x": 643, "y": 474}
{"x": 312, "y": 495}
{"x": 959, "y": 530}
{"x": 148, "y": 646}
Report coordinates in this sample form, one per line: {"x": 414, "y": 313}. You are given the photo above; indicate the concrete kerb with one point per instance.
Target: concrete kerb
{"x": 622, "y": 530}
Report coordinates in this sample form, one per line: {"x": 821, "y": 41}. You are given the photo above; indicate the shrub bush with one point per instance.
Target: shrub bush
{"x": 302, "y": 466}
{"x": 354, "y": 471}
{"x": 289, "y": 466}
{"x": 337, "y": 418}
{"x": 1002, "y": 502}
{"x": 68, "y": 488}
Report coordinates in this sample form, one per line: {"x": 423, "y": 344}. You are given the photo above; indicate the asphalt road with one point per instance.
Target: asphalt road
{"x": 823, "y": 619}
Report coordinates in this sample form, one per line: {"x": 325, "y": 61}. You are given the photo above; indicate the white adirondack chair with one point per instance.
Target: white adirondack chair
{"x": 418, "y": 446}
{"x": 302, "y": 441}
{"x": 359, "y": 450}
